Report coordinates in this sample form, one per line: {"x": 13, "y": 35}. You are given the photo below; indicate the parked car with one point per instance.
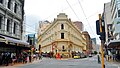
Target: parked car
{"x": 90, "y": 55}
{"x": 82, "y": 55}
{"x": 77, "y": 56}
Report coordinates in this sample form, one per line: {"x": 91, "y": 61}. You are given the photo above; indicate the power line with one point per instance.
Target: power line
{"x": 85, "y": 15}
{"x": 72, "y": 9}
{"x": 59, "y": 11}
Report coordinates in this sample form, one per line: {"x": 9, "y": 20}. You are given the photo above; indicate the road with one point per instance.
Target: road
{"x": 65, "y": 63}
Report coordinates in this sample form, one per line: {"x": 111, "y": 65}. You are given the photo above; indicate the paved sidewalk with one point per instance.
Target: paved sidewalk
{"x": 115, "y": 63}
{"x": 19, "y": 64}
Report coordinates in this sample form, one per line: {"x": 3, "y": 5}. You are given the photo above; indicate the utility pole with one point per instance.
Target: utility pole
{"x": 102, "y": 41}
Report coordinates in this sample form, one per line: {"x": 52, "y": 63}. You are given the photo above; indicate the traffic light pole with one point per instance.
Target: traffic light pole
{"x": 102, "y": 54}
{"x": 102, "y": 41}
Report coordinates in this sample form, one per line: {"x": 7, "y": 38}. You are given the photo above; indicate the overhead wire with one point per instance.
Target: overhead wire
{"x": 73, "y": 12}
{"x": 50, "y": 16}
{"x": 72, "y": 9}
{"x": 85, "y": 15}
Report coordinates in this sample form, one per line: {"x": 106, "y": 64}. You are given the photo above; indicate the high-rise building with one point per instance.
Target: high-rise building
{"x": 94, "y": 44}
{"x": 112, "y": 21}
{"x": 107, "y": 19}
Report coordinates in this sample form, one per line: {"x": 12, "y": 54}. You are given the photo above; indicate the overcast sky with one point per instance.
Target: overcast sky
{"x": 39, "y": 10}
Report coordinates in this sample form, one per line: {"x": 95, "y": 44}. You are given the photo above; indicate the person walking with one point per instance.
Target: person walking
{"x": 99, "y": 58}
{"x": 114, "y": 57}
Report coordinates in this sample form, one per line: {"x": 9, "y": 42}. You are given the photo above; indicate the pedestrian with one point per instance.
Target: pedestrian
{"x": 99, "y": 58}
{"x": 114, "y": 57}
{"x": 40, "y": 56}
{"x": 7, "y": 58}
{"x": 29, "y": 57}
{"x": 1, "y": 58}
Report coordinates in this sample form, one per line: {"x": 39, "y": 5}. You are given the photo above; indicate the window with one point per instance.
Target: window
{"x": 15, "y": 8}
{"x": 8, "y": 24}
{"x": 62, "y": 35}
{"x": 14, "y": 28}
{"x": 9, "y": 4}
{"x": 62, "y": 26}
{"x": 63, "y": 47}
{"x": 118, "y": 13}
{"x": 0, "y": 22}
{"x": 1, "y": 1}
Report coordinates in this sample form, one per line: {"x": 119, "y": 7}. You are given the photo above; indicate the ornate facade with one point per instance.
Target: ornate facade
{"x": 61, "y": 36}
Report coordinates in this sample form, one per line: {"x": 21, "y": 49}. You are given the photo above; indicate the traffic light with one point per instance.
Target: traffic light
{"x": 100, "y": 29}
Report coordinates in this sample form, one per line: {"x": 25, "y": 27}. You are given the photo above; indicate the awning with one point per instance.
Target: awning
{"x": 8, "y": 40}
{"x": 114, "y": 43}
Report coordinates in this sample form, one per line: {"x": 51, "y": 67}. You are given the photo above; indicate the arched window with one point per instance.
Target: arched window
{"x": 62, "y": 26}
{"x": 63, "y": 47}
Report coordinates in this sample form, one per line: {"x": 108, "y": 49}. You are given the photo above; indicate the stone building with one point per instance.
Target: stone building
{"x": 11, "y": 26}
{"x": 61, "y": 36}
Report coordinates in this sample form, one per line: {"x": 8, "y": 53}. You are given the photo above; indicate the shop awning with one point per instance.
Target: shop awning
{"x": 114, "y": 43}
{"x": 8, "y": 40}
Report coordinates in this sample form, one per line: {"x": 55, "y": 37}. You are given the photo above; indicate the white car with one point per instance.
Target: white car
{"x": 90, "y": 55}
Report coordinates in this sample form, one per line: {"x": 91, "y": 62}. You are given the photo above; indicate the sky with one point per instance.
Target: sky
{"x": 85, "y": 11}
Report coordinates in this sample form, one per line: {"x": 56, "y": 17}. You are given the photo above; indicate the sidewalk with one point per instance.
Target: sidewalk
{"x": 116, "y": 63}
{"x": 19, "y": 64}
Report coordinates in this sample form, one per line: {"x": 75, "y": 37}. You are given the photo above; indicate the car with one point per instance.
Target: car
{"x": 77, "y": 56}
{"x": 90, "y": 55}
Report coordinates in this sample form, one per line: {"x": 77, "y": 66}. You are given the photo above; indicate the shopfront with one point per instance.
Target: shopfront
{"x": 114, "y": 48}
{"x": 12, "y": 45}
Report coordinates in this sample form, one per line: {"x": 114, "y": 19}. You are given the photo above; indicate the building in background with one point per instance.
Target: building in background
{"x": 79, "y": 25}
{"x": 94, "y": 47}
{"x": 11, "y": 26}
{"x": 61, "y": 36}
{"x": 31, "y": 39}
{"x": 89, "y": 47}
{"x": 42, "y": 26}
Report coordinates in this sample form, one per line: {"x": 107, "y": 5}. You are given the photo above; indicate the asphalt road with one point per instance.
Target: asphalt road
{"x": 65, "y": 63}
